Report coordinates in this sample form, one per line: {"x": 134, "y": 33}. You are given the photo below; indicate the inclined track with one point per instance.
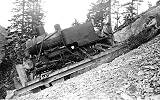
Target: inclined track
{"x": 107, "y": 56}
{"x": 103, "y": 57}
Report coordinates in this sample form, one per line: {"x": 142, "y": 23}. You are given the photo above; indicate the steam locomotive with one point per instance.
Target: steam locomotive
{"x": 65, "y": 47}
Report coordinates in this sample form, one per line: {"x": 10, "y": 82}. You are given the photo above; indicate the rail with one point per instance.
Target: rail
{"x": 107, "y": 56}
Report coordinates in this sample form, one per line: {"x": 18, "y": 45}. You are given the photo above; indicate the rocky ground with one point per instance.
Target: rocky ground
{"x": 133, "y": 76}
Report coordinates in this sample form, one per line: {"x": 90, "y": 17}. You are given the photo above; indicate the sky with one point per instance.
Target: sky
{"x": 61, "y": 12}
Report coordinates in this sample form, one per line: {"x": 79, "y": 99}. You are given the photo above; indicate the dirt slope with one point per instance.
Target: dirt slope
{"x": 130, "y": 76}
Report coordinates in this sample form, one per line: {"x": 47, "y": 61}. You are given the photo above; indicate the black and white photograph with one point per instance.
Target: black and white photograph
{"x": 80, "y": 49}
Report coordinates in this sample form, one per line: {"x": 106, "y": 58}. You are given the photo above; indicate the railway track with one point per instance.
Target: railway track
{"x": 103, "y": 57}
{"x": 107, "y": 56}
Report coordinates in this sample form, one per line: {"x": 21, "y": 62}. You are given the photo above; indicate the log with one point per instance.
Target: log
{"x": 136, "y": 27}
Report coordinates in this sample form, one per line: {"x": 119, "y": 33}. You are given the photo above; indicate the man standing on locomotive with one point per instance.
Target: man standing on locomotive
{"x": 107, "y": 31}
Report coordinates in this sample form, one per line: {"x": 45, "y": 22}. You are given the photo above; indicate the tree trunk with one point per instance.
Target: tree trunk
{"x": 110, "y": 11}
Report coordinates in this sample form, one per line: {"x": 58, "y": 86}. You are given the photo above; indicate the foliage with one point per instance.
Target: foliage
{"x": 98, "y": 13}
{"x": 3, "y": 73}
{"x": 2, "y": 43}
{"x": 75, "y": 23}
{"x": 6, "y": 77}
{"x": 132, "y": 7}
{"x": 116, "y": 11}
{"x": 130, "y": 15}
{"x": 14, "y": 50}
{"x": 28, "y": 15}
{"x": 23, "y": 26}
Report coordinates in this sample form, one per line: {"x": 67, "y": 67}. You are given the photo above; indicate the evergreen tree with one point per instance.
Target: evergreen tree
{"x": 28, "y": 15}
{"x": 75, "y": 23}
{"x": 99, "y": 11}
{"x": 132, "y": 8}
{"x": 131, "y": 11}
{"x": 116, "y": 12}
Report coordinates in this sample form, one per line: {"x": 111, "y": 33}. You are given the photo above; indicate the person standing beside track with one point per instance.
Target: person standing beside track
{"x": 107, "y": 31}
{"x": 21, "y": 70}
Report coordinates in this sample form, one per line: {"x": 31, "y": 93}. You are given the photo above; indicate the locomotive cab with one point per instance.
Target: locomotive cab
{"x": 82, "y": 35}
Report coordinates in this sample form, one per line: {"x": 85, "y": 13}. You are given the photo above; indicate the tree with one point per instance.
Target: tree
{"x": 28, "y": 15}
{"x": 131, "y": 11}
{"x": 98, "y": 12}
{"x": 75, "y": 23}
{"x": 116, "y": 11}
{"x": 132, "y": 7}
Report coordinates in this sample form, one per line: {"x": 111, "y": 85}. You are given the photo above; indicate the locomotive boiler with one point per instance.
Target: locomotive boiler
{"x": 65, "y": 47}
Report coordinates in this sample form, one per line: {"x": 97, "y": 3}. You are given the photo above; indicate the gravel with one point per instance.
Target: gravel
{"x": 133, "y": 76}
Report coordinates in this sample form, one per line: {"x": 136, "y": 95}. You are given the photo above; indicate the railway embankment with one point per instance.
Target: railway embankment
{"x": 132, "y": 76}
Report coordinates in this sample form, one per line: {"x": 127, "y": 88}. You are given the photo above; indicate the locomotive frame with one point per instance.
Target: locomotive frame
{"x": 72, "y": 45}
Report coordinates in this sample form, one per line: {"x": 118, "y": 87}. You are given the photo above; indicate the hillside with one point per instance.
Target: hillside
{"x": 133, "y": 75}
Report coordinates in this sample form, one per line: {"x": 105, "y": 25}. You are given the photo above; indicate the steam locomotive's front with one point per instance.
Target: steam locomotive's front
{"x": 44, "y": 41}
